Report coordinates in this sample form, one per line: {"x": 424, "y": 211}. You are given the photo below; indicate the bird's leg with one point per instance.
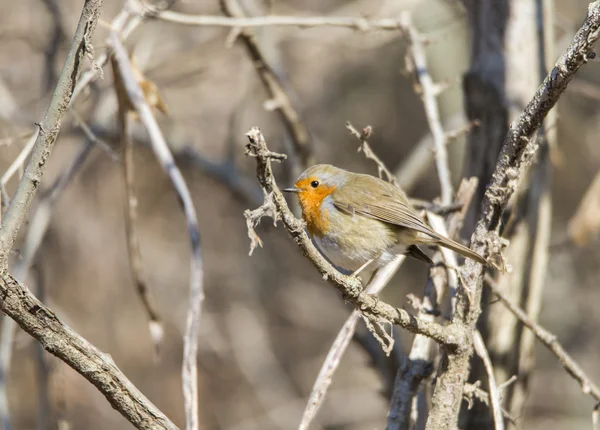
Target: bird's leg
{"x": 361, "y": 268}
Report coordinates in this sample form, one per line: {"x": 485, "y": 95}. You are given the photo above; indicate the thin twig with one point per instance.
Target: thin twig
{"x": 126, "y": 21}
{"x": 494, "y": 393}
{"x": 549, "y": 340}
{"x": 517, "y": 152}
{"x": 281, "y": 102}
{"x": 429, "y": 96}
{"x": 190, "y": 349}
{"x": 138, "y": 274}
{"x": 350, "y": 287}
{"x": 33, "y": 240}
{"x": 19, "y": 161}
{"x": 339, "y": 346}
{"x": 473, "y": 391}
{"x": 366, "y": 149}
{"x": 355, "y": 23}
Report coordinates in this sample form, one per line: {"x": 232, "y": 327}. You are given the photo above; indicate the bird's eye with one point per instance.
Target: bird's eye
{"x": 314, "y": 184}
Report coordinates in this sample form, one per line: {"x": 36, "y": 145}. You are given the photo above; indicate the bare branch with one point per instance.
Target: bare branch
{"x": 155, "y": 326}
{"x": 124, "y": 70}
{"x": 380, "y": 279}
{"x": 19, "y": 161}
{"x": 95, "y": 366}
{"x": 49, "y": 127}
{"x": 516, "y": 153}
{"x": 549, "y": 340}
{"x": 35, "y": 234}
{"x": 366, "y": 149}
{"x": 494, "y": 393}
{"x": 429, "y": 96}
{"x": 281, "y": 102}
{"x": 350, "y": 287}
{"x": 355, "y": 23}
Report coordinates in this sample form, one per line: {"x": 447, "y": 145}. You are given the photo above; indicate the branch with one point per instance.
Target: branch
{"x": 136, "y": 266}
{"x": 339, "y": 346}
{"x": 95, "y": 366}
{"x": 280, "y": 100}
{"x": 549, "y": 340}
{"x": 494, "y": 394}
{"x": 428, "y": 92}
{"x": 355, "y": 23}
{"x": 49, "y": 127}
{"x": 366, "y": 149}
{"x": 350, "y": 287}
{"x": 517, "y": 152}
{"x": 124, "y": 71}
{"x": 36, "y": 232}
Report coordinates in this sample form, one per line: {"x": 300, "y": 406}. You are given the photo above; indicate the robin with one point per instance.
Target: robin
{"x": 357, "y": 220}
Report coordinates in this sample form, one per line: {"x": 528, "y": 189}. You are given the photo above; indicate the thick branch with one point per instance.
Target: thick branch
{"x": 49, "y": 128}
{"x": 516, "y": 153}
{"x": 95, "y": 366}
{"x": 350, "y": 287}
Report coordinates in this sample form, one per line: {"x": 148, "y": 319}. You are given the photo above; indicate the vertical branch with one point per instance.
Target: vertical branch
{"x": 33, "y": 240}
{"x": 126, "y": 75}
{"x": 516, "y": 155}
{"x": 429, "y": 91}
{"x": 528, "y": 225}
{"x": 133, "y": 246}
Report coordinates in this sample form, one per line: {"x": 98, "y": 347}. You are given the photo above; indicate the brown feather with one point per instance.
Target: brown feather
{"x": 374, "y": 198}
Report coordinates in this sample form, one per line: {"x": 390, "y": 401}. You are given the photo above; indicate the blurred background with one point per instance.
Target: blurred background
{"x": 268, "y": 320}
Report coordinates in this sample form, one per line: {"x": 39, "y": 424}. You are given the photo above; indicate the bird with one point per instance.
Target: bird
{"x": 359, "y": 221}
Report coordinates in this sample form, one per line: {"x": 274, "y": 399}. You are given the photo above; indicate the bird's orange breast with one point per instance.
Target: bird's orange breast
{"x": 311, "y": 202}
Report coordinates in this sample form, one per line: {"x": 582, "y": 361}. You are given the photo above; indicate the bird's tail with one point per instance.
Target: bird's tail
{"x": 462, "y": 250}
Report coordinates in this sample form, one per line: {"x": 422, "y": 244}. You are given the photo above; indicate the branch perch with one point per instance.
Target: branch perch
{"x": 350, "y": 287}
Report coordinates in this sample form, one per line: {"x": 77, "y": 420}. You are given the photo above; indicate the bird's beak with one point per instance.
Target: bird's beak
{"x": 291, "y": 190}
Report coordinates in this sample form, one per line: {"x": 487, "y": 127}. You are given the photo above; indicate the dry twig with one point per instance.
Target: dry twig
{"x": 355, "y": 23}
{"x": 494, "y": 393}
{"x": 549, "y": 340}
{"x": 339, "y": 346}
{"x": 428, "y": 91}
{"x": 289, "y": 114}
{"x": 136, "y": 265}
{"x": 366, "y": 149}
{"x": 517, "y": 152}
{"x": 163, "y": 154}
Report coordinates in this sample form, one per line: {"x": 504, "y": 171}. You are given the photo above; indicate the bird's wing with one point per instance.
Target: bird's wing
{"x": 388, "y": 204}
